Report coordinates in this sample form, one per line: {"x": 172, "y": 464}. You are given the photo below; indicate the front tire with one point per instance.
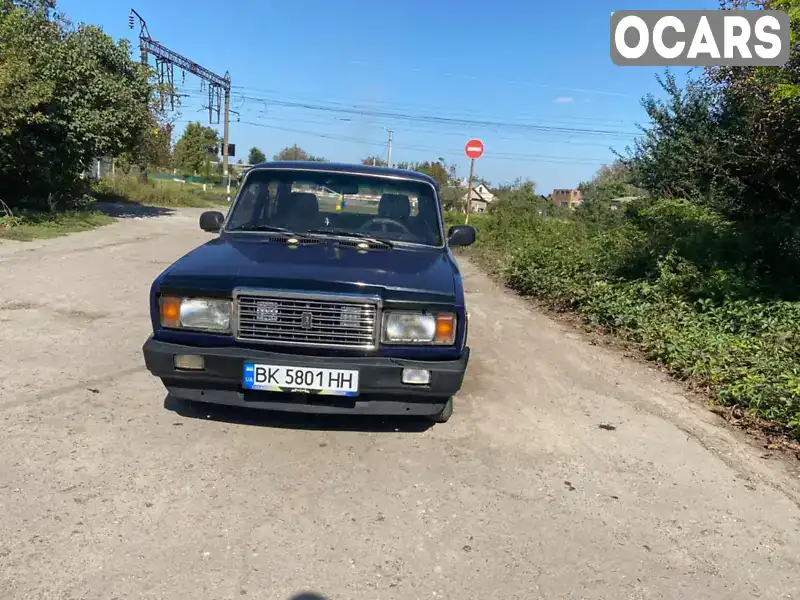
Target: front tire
{"x": 443, "y": 416}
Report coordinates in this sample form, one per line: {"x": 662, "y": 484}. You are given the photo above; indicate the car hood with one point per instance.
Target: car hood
{"x": 402, "y": 273}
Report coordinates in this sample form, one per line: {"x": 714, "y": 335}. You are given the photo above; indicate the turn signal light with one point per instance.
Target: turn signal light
{"x": 445, "y": 328}
{"x": 170, "y": 311}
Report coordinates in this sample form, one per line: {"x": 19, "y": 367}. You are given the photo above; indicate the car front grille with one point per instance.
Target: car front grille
{"x": 313, "y": 320}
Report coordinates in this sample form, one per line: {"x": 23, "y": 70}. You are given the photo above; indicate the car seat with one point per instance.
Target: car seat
{"x": 395, "y": 206}
{"x": 303, "y": 211}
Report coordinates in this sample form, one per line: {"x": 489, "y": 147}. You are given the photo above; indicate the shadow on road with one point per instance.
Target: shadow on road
{"x": 308, "y": 596}
{"x": 130, "y": 210}
{"x": 287, "y": 420}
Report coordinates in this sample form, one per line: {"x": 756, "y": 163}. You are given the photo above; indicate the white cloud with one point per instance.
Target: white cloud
{"x": 564, "y": 99}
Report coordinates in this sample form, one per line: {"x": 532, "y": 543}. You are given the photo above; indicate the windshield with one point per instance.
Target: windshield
{"x": 319, "y": 202}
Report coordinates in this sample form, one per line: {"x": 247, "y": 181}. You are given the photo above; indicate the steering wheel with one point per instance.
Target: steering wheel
{"x": 383, "y": 222}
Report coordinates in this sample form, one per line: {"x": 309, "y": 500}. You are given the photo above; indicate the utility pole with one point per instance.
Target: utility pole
{"x": 389, "y": 157}
{"x": 225, "y": 171}
{"x": 469, "y": 191}
{"x": 142, "y": 33}
{"x": 473, "y": 149}
{"x": 167, "y": 60}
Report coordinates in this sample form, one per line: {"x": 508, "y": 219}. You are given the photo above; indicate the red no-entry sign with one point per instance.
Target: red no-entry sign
{"x": 474, "y": 149}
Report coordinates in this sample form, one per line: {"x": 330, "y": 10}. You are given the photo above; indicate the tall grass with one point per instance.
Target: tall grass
{"x": 157, "y": 192}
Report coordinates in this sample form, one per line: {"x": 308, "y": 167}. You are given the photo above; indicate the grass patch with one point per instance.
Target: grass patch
{"x": 157, "y": 192}
{"x": 669, "y": 279}
{"x": 27, "y": 226}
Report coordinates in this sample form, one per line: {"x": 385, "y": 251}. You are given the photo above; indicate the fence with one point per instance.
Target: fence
{"x": 193, "y": 179}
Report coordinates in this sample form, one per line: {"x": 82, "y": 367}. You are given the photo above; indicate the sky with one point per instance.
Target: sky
{"x": 534, "y": 81}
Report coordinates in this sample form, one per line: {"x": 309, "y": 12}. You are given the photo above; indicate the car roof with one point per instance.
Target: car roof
{"x": 358, "y": 169}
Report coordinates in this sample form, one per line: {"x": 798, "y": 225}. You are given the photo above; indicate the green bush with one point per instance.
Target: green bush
{"x": 670, "y": 277}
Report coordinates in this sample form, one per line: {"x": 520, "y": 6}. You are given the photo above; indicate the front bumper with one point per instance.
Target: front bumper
{"x": 381, "y": 391}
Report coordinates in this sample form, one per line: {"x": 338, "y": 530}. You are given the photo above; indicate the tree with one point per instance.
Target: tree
{"x": 69, "y": 95}
{"x": 157, "y": 148}
{"x": 295, "y": 152}
{"x": 728, "y": 142}
{"x": 256, "y": 156}
{"x": 784, "y": 81}
{"x": 437, "y": 170}
{"x": 526, "y": 187}
{"x": 374, "y": 160}
{"x": 191, "y": 151}
{"x": 434, "y": 169}
{"x": 520, "y": 198}
{"x": 452, "y": 197}
{"x": 610, "y": 181}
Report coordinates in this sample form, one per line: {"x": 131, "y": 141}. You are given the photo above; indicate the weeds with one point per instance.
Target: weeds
{"x": 672, "y": 278}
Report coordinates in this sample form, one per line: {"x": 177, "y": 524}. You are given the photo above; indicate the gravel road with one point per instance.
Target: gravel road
{"x": 110, "y": 490}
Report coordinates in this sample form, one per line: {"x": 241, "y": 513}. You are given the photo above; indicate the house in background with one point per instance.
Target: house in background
{"x": 566, "y": 198}
{"x": 480, "y": 199}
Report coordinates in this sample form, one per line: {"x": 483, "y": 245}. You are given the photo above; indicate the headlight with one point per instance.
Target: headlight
{"x": 407, "y": 327}
{"x": 201, "y": 314}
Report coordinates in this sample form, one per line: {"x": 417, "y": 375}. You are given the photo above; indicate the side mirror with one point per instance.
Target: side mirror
{"x": 212, "y": 221}
{"x": 461, "y": 235}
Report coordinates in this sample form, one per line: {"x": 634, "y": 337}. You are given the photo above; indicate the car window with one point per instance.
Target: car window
{"x": 364, "y": 201}
{"x": 329, "y": 202}
{"x": 249, "y": 201}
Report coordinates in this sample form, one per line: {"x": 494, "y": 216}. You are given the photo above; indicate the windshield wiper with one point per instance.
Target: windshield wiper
{"x": 274, "y": 228}
{"x": 351, "y": 234}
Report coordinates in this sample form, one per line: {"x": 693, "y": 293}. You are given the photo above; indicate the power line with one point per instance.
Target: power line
{"x": 281, "y": 94}
{"x": 384, "y": 145}
{"x": 455, "y": 133}
{"x": 452, "y": 120}
{"x": 516, "y": 157}
{"x": 536, "y": 137}
{"x": 437, "y": 121}
{"x": 353, "y": 109}
{"x": 496, "y": 155}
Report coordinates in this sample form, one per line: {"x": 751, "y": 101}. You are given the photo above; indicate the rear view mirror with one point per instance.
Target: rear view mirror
{"x": 461, "y": 235}
{"x": 212, "y": 221}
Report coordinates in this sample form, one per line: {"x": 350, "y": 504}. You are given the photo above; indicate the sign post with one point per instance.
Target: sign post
{"x": 473, "y": 149}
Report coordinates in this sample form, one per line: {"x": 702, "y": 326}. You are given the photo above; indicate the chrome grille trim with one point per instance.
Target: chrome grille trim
{"x": 326, "y": 329}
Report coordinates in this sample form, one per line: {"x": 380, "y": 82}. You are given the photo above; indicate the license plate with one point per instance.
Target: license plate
{"x": 274, "y": 378}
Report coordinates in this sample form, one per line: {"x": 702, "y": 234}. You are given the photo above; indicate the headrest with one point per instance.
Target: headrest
{"x": 394, "y": 206}
{"x": 303, "y": 203}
